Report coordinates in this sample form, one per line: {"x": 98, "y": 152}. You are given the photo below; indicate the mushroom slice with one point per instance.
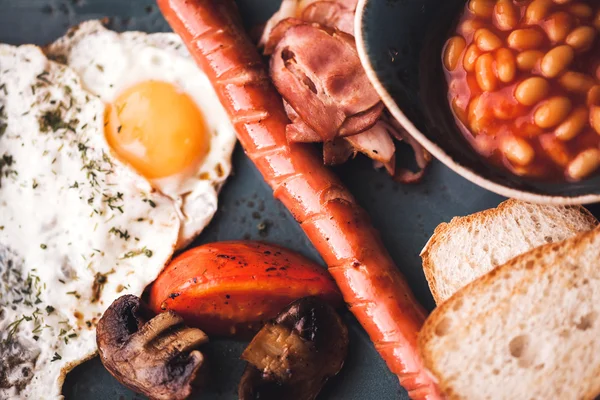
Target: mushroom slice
{"x": 156, "y": 357}
{"x": 294, "y": 355}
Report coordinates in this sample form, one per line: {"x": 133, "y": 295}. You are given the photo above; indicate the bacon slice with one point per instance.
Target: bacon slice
{"x": 298, "y": 131}
{"x": 316, "y": 68}
{"x": 317, "y": 71}
{"x": 288, "y": 9}
{"x": 334, "y": 13}
{"x": 375, "y": 143}
{"x": 337, "y": 152}
{"x": 277, "y": 34}
{"x": 337, "y": 14}
{"x": 422, "y": 156}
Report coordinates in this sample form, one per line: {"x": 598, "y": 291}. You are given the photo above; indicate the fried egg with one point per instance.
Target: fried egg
{"x": 78, "y": 227}
{"x": 163, "y": 116}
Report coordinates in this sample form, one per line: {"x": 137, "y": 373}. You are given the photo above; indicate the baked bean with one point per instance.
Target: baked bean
{"x": 506, "y": 109}
{"x": 506, "y": 15}
{"x": 562, "y": 1}
{"x": 530, "y": 131}
{"x": 558, "y": 26}
{"x": 484, "y": 70}
{"x": 482, "y": 8}
{"x": 471, "y": 56}
{"x": 557, "y": 61}
{"x": 552, "y": 112}
{"x": 597, "y": 20}
{"x": 505, "y": 65}
{"x": 576, "y": 82}
{"x": 469, "y": 27}
{"x": 476, "y": 121}
{"x": 485, "y": 145}
{"x": 525, "y": 39}
{"x": 595, "y": 118}
{"x": 527, "y": 60}
{"x": 573, "y": 125}
{"x": 537, "y": 11}
{"x": 460, "y": 113}
{"x": 530, "y": 171}
{"x": 532, "y": 90}
{"x": 586, "y": 163}
{"x": 593, "y": 96}
{"x": 598, "y": 73}
{"x": 486, "y": 40}
{"x": 476, "y": 125}
{"x": 517, "y": 150}
{"x": 556, "y": 150}
{"x": 503, "y": 113}
{"x": 454, "y": 50}
{"x": 581, "y": 38}
{"x": 581, "y": 10}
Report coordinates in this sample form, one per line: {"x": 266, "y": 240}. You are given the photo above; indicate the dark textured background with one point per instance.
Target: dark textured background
{"x": 406, "y": 215}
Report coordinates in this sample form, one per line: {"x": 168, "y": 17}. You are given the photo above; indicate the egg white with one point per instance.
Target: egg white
{"x": 77, "y": 227}
{"x": 109, "y": 62}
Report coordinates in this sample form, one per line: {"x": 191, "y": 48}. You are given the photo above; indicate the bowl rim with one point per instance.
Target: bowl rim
{"x": 432, "y": 147}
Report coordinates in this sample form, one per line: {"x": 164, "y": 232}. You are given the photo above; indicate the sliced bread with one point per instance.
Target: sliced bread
{"x": 530, "y": 329}
{"x": 469, "y": 247}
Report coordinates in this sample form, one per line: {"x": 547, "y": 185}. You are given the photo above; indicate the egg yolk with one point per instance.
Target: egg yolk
{"x": 157, "y": 129}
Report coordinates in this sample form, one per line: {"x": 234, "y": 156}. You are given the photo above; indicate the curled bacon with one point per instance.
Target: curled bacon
{"x": 327, "y": 94}
{"x": 317, "y": 71}
{"x": 338, "y": 14}
{"x": 277, "y": 33}
{"x": 375, "y": 143}
{"x": 334, "y": 13}
{"x": 337, "y": 152}
{"x": 422, "y": 156}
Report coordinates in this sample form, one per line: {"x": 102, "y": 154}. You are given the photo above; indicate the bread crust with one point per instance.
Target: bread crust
{"x": 442, "y": 231}
{"x": 528, "y": 262}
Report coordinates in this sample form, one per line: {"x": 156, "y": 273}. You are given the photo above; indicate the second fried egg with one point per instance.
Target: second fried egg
{"x": 163, "y": 117}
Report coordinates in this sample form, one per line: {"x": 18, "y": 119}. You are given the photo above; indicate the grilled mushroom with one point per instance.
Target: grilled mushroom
{"x": 293, "y": 356}
{"x": 156, "y": 357}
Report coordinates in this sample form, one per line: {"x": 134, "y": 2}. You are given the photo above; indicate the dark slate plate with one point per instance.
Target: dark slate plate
{"x": 406, "y": 215}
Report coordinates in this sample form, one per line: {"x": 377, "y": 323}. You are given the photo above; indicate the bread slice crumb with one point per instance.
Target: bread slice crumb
{"x": 469, "y": 247}
{"x": 529, "y": 329}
